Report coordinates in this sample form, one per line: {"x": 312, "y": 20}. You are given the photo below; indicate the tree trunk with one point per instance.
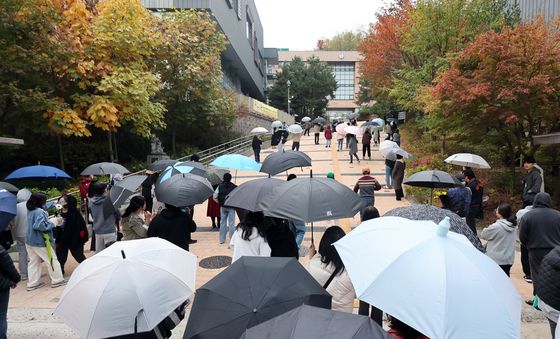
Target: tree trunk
{"x": 173, "y": 140}
{"x": 116, "y": 150}
{"x": 111, "y": 154}
{"x": 60, "y": 154}
{"x": 443, "y": 146}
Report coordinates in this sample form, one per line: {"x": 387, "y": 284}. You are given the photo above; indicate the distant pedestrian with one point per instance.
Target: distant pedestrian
{"x": 249, "y": 238}
{"x": 501, "y": 238}
{"x": 376, "y": 136}
{"x": 340, "y": 141}
{"x": 104, "y": 225}
{"x": 459, "y": 198}
{"x": 173, "y": 225}
{"x": 328, "y": 136}
{"x": 398, "y": 176}
{"x": 40, "y": 243}
{"x": 147, "y": 188}
{"x": 307, "y": 128}
{"x": 366, "y": 187}
{"x": 353, "y": 147}
{"x": 9, "y": 278}
{"x": 389, "y": 165}
{"x": 213, "y": 211}
{"x": 532, "y": 182}
{"x": 397, "y": 137}
{"x": 227, "y": 213}
{"x": 317, "y": 132}
{"x": 19, "y": 230}
{"x": 347, "y": 137}
{"x": 135, "y": 219}
{"x": 296, "y": 139}
{"x": 256, "y": 145}
{"x": 477, "y": 193}
{"x": 366, "y": 144}
{"x": 73, "y": 234}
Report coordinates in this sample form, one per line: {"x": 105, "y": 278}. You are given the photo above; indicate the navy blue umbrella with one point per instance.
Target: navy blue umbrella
{"x": 8, "y": 206}
{"x": 38, "y": 171}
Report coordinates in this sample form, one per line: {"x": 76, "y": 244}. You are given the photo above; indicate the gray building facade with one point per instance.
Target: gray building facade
{"x": 548, "y": 9}
{"x": 242, "y": 61}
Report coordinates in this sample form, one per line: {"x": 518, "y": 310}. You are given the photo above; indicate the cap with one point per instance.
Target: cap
{"x": 365, "y": 170}
{"x": 330, "y": 175}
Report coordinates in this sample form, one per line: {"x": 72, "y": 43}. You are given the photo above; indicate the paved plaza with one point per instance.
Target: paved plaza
{"x": 30, "y": 313}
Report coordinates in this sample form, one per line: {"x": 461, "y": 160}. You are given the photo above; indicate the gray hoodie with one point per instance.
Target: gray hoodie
{"x": 101, "y": 225}
{"x": 501, "y": 241}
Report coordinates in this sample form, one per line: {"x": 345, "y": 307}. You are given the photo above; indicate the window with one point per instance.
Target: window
{"x": 344, "y": 74}
{"x": 249, "y": 30}
{"x": 238, "y": 7}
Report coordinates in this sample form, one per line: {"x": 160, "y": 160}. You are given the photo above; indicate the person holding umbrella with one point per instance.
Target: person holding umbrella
{"x": 366, "y": 144}
{"x": 477, "y": 193}
{"x": 353, "y": 147}
{"x": 256, "y": 146}
{"x": 317, "y": 132}
{"x": 104, "y": 226}
{"x": 135, "y": 219}
{"x": 40, "y": 242}
{"x": 73, "y": 234}
{"x": 398, "y": 176}
{"x": 227, "y": 213}
{"x": 249, "y": 238}
{"x": 366, "y": 187}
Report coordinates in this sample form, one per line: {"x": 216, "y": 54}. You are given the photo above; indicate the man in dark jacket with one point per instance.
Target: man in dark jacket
{"x": 549, "y": 289}
{"x": 532, "y": 182}
{"x": 366, "y": 144}
{"x": 539, "y": 231}
{"x": 173, "y": 225}
{"x": 477, "y": 192}
{"x": 9, "y": 277}
{"x": 227, "y": 213}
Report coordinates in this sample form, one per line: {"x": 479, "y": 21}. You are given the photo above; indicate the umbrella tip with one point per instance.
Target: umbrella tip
{"x": 123, "y": 255}
{"x": 443, "y": 227}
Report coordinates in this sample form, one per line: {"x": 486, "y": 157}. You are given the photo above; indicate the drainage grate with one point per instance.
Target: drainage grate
{"x": 214, "y": 262}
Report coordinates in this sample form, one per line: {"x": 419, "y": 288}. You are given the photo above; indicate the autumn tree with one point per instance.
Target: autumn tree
{"x": 345, "y": 41}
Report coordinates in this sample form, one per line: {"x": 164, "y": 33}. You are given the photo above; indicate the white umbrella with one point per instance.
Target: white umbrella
{"x": 341, "y": 129}
{"x": 295, "y": 129}
{"x": 431, "y": 279}
{"x": 276, "y": 124}
{"x": 259, "y": 130}
{"x": 131, "y": 281}
{"x": 467, "y": 159}
{"x": 352, "y": 130}
{"x": 388, "y": 146}
{"x": 306, "y": 119}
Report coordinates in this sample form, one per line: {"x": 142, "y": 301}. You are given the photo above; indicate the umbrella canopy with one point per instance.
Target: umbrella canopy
{"x": 295, "y": 129}
{"x": 8, "y": 187}
{"x": 311, "y": 199}
{"x": 392, "y": 155}
{"x": 353, "y": 115}
{"x": 319, "y": 120}
{"x": 258, "y": 130}
{"x": 121, "y": 191}
{"x": 432, "y": 179}
{"x": 184, "y": 190}
{"x": 102, "y": 168}
{"x": 215, "y": 175}
{"x": 236, "y": 161}
{"x": 264, "y": 288}
{"x": 386, "y": 147}
{"x": 435, "y": 214}
{"x": 160, "y": 165}
{"x": 431, "y": 279}
{"x": 308, "y": 322}
{"x": 276, "y": 124}
{"x": 249, "y": 194}
{"x": 341, "y": 129}
{"x": 38, "y": 171}
{"x": 467, "y": 159}
{"x": 109, "y": 291}
{"x": 352, "y": 130}
{"x": 378, "y": 121}
{"x": 306, "y": 119}
{"x": 279, "y": 162}
{"x": 191, "y": 167}
{"x": 8, "y": 208}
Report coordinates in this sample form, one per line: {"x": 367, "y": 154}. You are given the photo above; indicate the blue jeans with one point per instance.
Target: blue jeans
{"x": 388, "y": 176}
{"x": 298, "y": 227}
{"x": 226, "y": 214}
{"x": 4, "y": 299}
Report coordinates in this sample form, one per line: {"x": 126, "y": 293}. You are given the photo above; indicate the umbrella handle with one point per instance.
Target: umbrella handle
{"x": 312, "y": 242}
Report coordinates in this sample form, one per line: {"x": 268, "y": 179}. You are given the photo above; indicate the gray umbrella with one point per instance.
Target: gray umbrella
{"x": 102, "y": 168}
{"x": 8, "y": 187}
{"x": 183, "y": 190}
{"x": 279, "y": 162}
{"x": 249, "y": 194}
{"x": 215, "y": 175}
{"x": 353, "y": 115}
{"x": 319, "y": 120}
{"x": 428, "y": 212}
{"x": 121, "y": 191}
{"x": 160, "y": 165}
{"x": 432, "y": 179}
{"x": 308, "y": 322}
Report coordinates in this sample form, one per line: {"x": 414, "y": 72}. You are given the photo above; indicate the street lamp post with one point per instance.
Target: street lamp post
{"x": 288, "y": 83}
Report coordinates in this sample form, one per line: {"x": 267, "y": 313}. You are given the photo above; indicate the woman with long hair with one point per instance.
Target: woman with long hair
{"x": 249, "y": 238}
{"x": 73, "y": 234}
{"x": 135, "y": 219}
{"x": 328, "y": 269}
{"x": 353, "y": 147}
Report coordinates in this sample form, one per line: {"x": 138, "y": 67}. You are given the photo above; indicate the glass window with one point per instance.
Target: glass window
{"x": 250, "y": 30}
{"x": 344, "y": 74}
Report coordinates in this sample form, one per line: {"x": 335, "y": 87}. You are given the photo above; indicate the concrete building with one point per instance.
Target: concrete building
{"x": 345, "y": 68}
{"x": 242, "y": 61}
{"x": 549, "y": 9}
{"x": 270, "y": 65}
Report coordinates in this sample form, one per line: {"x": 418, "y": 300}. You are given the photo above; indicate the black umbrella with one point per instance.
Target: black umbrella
{"x": 160, "y": 165}
{"x": 215, "y": 175}
{"x": 102, "y": 168}
{"x": 121, "y": 191}
{"x": 432, "y": 179}
{"x": 311, "y": 199}
{"x": 249, "y": 194}
{"x": 182, "y": 190}
{"x": 250, "y": 291}
{"x": 428, "y": 212}
{"x": 308, "y": 322}
{"x": 8, "y": 187}
{"x": 279, "y": 162}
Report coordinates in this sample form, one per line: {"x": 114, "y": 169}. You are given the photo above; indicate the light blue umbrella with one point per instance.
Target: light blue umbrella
{"x": 38, "y": 171}
{"x": 237, "y": 162}
{"x": 178, "y": 168}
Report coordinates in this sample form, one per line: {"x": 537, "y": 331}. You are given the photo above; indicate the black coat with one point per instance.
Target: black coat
{"x": 281, "y": 239}
{"x": 74, "y": 228}
{"x": 540, "y": 227}
{"x": 173, "y": 225}
{"x": 8, "y": 273}
{"x": 549, "y": 279}
{"x": 477, "y": 190}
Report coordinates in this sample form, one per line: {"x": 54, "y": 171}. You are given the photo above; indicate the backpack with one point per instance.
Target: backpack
{"x": 224, "y": 191}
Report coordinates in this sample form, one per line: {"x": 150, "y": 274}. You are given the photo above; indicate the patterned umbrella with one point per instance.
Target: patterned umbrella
{"x": 428, "y": 212}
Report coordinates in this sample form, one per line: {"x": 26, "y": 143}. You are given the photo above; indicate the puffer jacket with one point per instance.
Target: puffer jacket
{"x": 340, "y": 288}
{"x": 549, "y": 278}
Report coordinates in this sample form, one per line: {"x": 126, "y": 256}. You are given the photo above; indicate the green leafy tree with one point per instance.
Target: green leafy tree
{"x": 345, "y": 41}
{"x": 311, "y": 83}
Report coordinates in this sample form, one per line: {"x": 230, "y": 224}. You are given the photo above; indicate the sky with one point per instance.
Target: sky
{"x": 298, "y": 24}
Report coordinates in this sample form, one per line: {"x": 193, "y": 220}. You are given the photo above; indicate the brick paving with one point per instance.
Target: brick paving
{"x": 30, "y": 313}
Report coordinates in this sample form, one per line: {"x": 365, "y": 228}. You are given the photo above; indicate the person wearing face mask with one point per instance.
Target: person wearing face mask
{"x": 73, "y": 232}
{"x": 40, "y": 242}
